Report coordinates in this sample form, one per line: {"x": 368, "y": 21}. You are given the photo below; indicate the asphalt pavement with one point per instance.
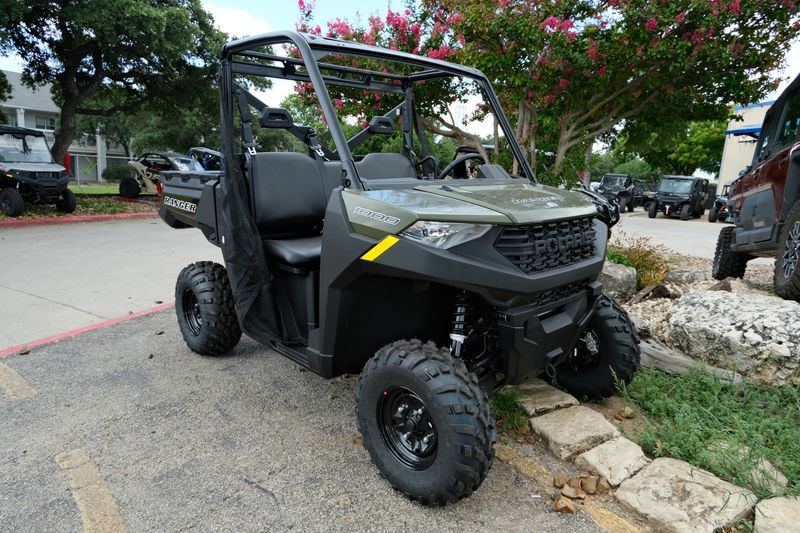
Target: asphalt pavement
{"x": 126, "y": 424}
{"x": 60, "y": 277}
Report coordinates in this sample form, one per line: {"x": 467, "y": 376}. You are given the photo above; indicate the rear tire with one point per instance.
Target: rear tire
{"x": 713, "y": 213}
{"x": 205, "y": 309}
{"x": 631, "y": 205}
{"x": 787, "y": 262}
{"x": 12, "y": 203}
{"x": 129, "y": 188}
{"x": 727, "y": 263}
{"x": 685, "y": 212}
{"x": 67, "y": 202}
{"x": 616, "y": 358}
{"x": 623, "y": 204}
{"x": 409, "y": 392}
{"x": 652, "y": 209}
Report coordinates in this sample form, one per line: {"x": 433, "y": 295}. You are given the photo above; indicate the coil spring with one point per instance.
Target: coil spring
{"x": 463, "y": 306}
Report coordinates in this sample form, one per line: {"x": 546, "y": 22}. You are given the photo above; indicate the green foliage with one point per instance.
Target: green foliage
{"x": 508, "y": 413}
{"x": 116, "y": 172}
{"x": 702, "y": 147}
{"x": 649, "y": 260}
{"x": 726, "y": 429}
{"x": 617, "y": 162}
{"x": 638, "y": 169}
{"x": 5, "y": 92}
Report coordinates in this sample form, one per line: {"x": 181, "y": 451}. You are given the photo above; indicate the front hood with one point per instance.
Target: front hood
{"x": 32, "y": 167}
{"x": 520, "y": 201}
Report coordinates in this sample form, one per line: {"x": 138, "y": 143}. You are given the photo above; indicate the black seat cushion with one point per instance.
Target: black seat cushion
{"x": 385, "y": 165}
{"x": 300, "y": 253}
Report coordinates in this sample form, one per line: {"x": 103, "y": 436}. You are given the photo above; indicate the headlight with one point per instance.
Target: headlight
{"x": 444, "y": 234}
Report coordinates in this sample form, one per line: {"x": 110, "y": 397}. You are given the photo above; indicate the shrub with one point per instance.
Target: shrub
{"x": 649, "y": 260}
{"x": 116, "y": 172}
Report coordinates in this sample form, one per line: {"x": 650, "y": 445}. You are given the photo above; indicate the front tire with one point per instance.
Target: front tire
{"x": 67, "y": 202}
{"x": 727, "y": 263}
{"x": 787, "y": 263}
{"x": 652, "y": 209}
{"x": 607, "y": 354}
{"x": 623, "y": 204}
{"x": 713, "y": 213}
{"x": 205, "y": 308}
{"x": 12, "y": 203}
{"x": 685, "y": 212}
{"x": 129, "y": 188}
{"x": 425, "y": 421}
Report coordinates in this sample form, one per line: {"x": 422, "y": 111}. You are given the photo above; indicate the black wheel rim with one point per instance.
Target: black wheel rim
{"x": 407, "y": 428}
{"x": 191, "y": 311}
{"x": 791, "y": 252}
{"x": 585, "y": 357}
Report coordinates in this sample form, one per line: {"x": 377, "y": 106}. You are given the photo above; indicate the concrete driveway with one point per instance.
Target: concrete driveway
{"x": 126, "y": 427}
{"x": 61, "y": 277}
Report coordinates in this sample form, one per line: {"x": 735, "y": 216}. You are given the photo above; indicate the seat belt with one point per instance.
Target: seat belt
{"x": 319, "y": 156}
{"x": 247, "y": 123}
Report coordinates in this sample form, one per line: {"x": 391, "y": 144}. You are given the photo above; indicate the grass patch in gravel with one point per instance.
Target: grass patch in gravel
{"x": 87, "y": 205}
{"x": 725, "y": 429}
{"x": 647, "y": 258}
{"x": 509, "y": 415}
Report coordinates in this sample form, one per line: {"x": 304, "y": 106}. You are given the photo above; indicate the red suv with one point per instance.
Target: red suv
{"x": 766, "y": 202}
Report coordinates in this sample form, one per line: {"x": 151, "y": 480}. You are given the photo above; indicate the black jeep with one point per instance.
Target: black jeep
{"x": 618, "y": 187}
{"x": 29, "y": 174}
{"x": 683, "y": 195}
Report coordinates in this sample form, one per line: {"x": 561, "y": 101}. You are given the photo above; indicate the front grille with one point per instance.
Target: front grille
{"x": 540, "y": 247}
{"x": 559, "y": 293}
{"x": 45, "y": 175}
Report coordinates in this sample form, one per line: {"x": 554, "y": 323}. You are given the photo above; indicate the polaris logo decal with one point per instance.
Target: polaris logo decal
{"x": 183, "y": 205}
{"x": 563, "y": 244}
{"x": 374, "y": 215}
{"x": 543, "y": 201}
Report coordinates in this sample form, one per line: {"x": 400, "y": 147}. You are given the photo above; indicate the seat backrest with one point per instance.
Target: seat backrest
{"x": 385, "y": 165}
{"x": 287, "y": 192}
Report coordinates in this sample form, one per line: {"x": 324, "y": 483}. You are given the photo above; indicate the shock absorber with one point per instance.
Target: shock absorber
{"x": 459, "y": 333}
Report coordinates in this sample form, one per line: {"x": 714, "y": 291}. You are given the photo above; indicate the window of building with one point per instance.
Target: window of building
{"x": 45, "y": 123}
{"x": 12, "y": 119}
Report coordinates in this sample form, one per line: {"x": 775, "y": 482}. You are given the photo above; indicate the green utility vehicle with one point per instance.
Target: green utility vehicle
{"x": 364, "y": 255}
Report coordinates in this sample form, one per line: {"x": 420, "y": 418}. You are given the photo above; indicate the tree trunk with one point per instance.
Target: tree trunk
{"x": 66, "y": 130}
{"x": 561, "y": 154}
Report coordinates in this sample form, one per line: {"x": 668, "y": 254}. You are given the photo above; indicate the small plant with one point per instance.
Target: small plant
{"x": 116, "y": 172}
{"x": 649, "y": 260}
{"x": 508, "y": 413}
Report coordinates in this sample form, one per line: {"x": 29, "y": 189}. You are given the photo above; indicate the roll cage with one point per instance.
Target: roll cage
{"x": 244, "y": 57}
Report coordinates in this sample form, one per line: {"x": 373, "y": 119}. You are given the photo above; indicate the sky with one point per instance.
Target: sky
{"x": 249, "y": 17}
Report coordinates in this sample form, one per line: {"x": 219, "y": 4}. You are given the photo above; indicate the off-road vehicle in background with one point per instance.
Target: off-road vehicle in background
{"x": 618, "y": 188}
{"x": 720, "y": 210}
{"x": 766, "y": 202}
{"x": 347, "y": 259}
{"x": 680, "y": 195}
{"x": 147, "y": 168}
{"x": 29, "y": 174}
{"x": 644, "y": 192}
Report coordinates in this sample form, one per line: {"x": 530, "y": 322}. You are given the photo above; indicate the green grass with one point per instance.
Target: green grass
{"x": 87, "y": 205}
{"x": 699, "y": 420}
{"x": 508, "y": 413}
{"x": 95, "y": 188}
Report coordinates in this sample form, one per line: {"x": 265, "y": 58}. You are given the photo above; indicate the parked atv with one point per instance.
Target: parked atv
{"x": 680, "y": 195}
{"x": 720, "y": 210}
{"x": 766, "y": 202}
{"x": 618, "y": 188}
{"x": 438, "y": 290}
{"x": 29, "y": 174}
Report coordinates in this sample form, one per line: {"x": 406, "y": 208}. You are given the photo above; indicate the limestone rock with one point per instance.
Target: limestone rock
{"x": 619, "y": 281}
{"x": 540, "y": 397}
{"x": 563, "y": 505}
{"x": 777, "y": 515}
{"x": 573, "y": 430}
{"x": 757, "y": 336}
{"x": 615, "y": 460}
{"x": 675, "y": 496}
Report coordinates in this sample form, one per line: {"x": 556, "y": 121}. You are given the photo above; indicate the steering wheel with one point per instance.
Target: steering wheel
{"x": 463, "y": 158}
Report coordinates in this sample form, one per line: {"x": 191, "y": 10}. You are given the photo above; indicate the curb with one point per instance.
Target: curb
{"x": 24, "y": 222}
{"x": 75, "y": 332}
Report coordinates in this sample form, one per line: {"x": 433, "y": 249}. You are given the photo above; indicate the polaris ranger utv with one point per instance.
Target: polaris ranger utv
{"x": 437, "y": 290}
{"x": 618, "y": 188}
{"x": 683, "y": 195}
{"x": 766, "y": 202}
{"x": 29, "y": 174}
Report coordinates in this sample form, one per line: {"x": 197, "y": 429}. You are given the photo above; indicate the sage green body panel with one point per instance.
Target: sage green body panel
{"x": 380, "y": 212}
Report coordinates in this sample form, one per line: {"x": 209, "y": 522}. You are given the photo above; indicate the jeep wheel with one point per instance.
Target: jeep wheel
{"x": 713, "y": 213}
{"x": 204, "y": 305}
{"x": 727, "y": 263}
{"x": 652, "y": 209}
{"x": 607, "y": 354}
{"x": 425, "y": 422}
{"x": 12, "y": 203}
{"x": 685, "y": 212}
{"x": 787, "y": 262}
{"x": 623, "y": 204}
{"x": 129, "y": 188}
{"x": 67, "y": 203}
{"x": 631, "y": 205}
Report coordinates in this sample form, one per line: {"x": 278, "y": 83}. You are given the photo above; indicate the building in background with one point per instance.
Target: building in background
{"x": 740, "y": 141}
{"x": 35, "y": 109}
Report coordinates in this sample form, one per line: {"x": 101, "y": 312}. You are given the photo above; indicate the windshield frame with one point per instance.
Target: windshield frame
{"x": 675, "y": 179}
{"x": 23, "y": 135}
